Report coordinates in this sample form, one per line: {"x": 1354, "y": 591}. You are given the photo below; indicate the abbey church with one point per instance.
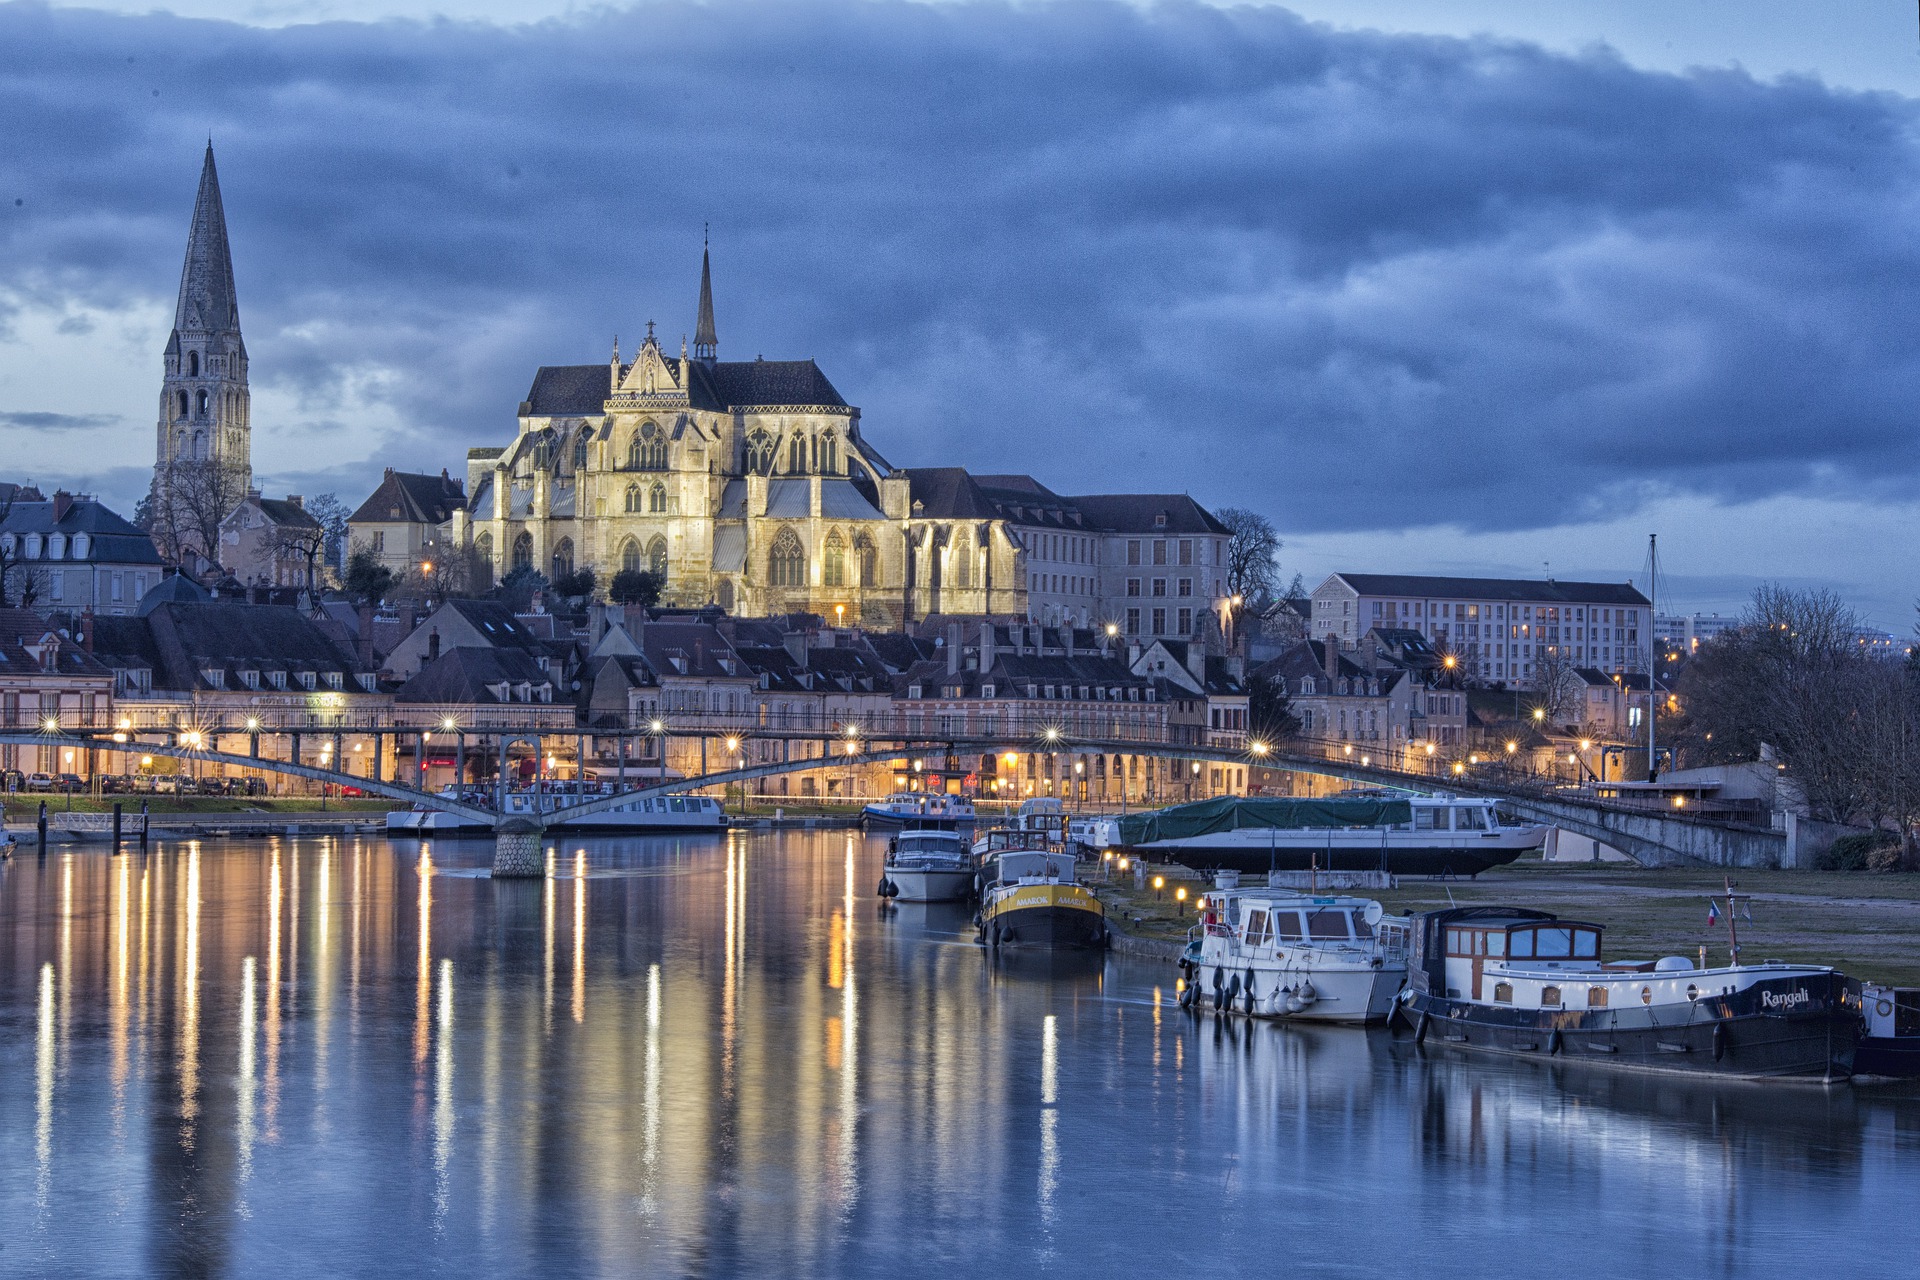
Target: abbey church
{"x": 744, "y": 484}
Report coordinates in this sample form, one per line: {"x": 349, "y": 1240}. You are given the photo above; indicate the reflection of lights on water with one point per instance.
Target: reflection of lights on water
{"x": 580, "y": 936}
{"x": 43, "y": 1092}
{"x": 190, "y": 1001}
{"x": 248, "y": 1034}
{"x": 650, "y": 1094}
{"x": 1049, "y": 1114}
{"x": 443, "y": 1095}
{"x": 423, "y": 963}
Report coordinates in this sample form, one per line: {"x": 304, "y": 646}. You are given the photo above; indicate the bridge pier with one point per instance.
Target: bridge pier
{"x": 518, "y": 849}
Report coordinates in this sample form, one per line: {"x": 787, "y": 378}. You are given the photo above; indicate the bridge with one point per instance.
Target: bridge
{"x": 1651, "y": 838}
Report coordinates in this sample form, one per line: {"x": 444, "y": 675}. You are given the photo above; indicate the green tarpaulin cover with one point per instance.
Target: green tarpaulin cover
{"x": 1229, "y": 813}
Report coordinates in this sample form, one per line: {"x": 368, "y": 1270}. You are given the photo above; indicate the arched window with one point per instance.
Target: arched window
{"x": 580, "y": 451}
{"x": 484, "y": 545}
{"x": 523, "y": 551}
{"x": 203, "y": 403}
{"x": 760, "y": 453}
{"x": 629, "y": 556}
{"x": 657, "y": 558}
{"x": 787, "y": 561}
{"x": 633, "y": 498}
{"x": 648, "y": 452}
{"x": 199, "y": 453}
{"x": 193, "y": 364}
{"x": 869, "y": 559}
{"x": 797, "y": 456}
{"x": 829, "y": 455}
{"x": 961, "y": 558}
{"x": 657, "y": 498}
{"x": 183, "y": 406}
{"x": 563, "y": 559}
{"x": 724, "y": 594}
{"x": 833, "y": 562}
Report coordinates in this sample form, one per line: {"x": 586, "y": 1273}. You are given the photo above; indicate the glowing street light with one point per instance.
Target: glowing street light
{"x": 1258, "y": 747}
{"x": 655, "y": 726}
{"x": 733, "y": 746}
{"x": 51, "y": 724}
{"x": 1051, "y": 734}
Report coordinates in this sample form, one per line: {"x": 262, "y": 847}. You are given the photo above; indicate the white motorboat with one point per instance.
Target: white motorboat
{"x": 919, "y": 809}
{"x": 928, "y": 864}
{"x": 650, "y": 813}
{"x": 1419, "y": 835}
{"x": 1042, "y": 817}
{"x": 1274, "y": 953}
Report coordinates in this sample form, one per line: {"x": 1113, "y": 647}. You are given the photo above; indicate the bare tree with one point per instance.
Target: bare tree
{"x": 190, "y": 501}
{"x": 305, "y": 544}
{"x": 1251, "y": 563}
{"x": 9, "y": 555}
{"x": 1556, "y": 686}
{"x": 332, "y": 515}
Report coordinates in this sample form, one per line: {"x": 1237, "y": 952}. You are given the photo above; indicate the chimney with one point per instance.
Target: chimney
{"x": 62, "y": 503}
{"x": 987, "y": 638}
{"x": 1197, "y": 660}
{"x": 795, "y": 643}
{"x": 86, "y": 629}
{"x": 295, "y": 500}
{"x": 364, "y": 643}
{"x": 1066, "y": 635}
{"x": 1330, "y": 656}
{"x": 433, "y": 644}
{"x": 953, "y": 648}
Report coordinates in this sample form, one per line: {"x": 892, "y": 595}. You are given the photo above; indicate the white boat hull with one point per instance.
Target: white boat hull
{"x": 1342, "y": 993}
{"x": 641, "y": 816}
{"x": 922, "y": 885}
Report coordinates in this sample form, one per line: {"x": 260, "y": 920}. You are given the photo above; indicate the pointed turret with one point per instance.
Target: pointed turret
{"x": 208, "y": 302}
{"x": 706, "y": 343}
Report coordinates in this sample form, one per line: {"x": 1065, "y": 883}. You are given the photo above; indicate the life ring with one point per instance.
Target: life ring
{"x": 1884, "y": 1008}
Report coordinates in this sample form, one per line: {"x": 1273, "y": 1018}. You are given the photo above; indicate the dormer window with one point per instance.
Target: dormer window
{"x": 251, "y": 679}
{"x": 278, "y": 679}
{"x": 214, "y": 676}
{"x": 366, "y": 680}
{"x": 1307, "y": 684}
{"x": 306, "y": 680}
{"x": 57, "y": 547}
{"x": 33, "y": 546}
{"x": 335, "y": 680}
{"x": 913, "y": 691}
{"x": 988, "y": 691}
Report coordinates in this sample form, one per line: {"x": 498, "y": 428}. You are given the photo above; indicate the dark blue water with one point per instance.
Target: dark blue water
{"x": 723, "y": 1057}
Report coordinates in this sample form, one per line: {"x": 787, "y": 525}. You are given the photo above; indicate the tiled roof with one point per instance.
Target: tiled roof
{"x": 582, "y": 390}
{"x": 418, "y": 499}
{"x": 1143, "y": 512}
{"x": 1523, "y": 589}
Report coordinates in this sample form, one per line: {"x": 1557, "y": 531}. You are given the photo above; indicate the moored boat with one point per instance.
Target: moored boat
{"x": 1891, "y": 1043}
{"x": 1518, "y": 981}
{"x": 1399, "y": 834}
{"x": 1301, "y": 957}
{"x": 918, "y": 809}
{"x": 928, "y": 864}
{"x": 649, "y": 813}
{"x": 1030, "y": 896}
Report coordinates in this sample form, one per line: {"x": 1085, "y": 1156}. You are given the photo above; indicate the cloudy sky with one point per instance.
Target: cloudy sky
{"x": 1452, "y": 286}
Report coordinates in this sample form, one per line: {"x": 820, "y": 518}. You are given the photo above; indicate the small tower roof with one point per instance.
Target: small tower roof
{"x": 706, "y": 343}
{"x": 208, "y": 302}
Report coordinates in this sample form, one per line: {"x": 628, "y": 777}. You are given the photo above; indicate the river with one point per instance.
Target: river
{"x": 723, "y": 1056}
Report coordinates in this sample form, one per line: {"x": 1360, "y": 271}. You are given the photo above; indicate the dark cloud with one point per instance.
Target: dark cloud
{"x": 58, "y": 421}
{"x": 1360, "y": 280}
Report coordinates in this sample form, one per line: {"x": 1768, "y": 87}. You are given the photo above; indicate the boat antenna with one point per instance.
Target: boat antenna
{"x": 1733, "y": 928}
{"x": 1653, "y": 647}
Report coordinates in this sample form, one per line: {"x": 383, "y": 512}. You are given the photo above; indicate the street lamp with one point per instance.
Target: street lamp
{"x": 1258, "y": 747}
{"x": 1180, "y": 896}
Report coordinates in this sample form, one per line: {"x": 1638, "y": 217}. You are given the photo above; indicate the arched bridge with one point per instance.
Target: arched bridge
{"x": 1651, "y": 838}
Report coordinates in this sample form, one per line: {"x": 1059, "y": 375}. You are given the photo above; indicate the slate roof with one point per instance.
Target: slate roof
{"x": 466, "y": 675}
{"x": 1140, "y": 512}
{"x": 177, "y": 641}
{"x": 175, "y": 588}
{"x": 497, "y": 623}
{"x": 689, "y": 649}
{"x": 582, "y": 390}
{"x": 22, "y": 627}
{"x": 288, "y": 513}
{"x": 419, "y": 499}
{"x": 1524, "y": 589}
{"x": 948, "y": 493}
{"x": 113, "y": 540}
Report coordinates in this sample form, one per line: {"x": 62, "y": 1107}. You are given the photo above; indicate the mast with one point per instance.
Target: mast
{"x": 1653, "y": 611}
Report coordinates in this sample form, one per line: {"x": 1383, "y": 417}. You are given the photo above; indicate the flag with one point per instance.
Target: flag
{"x": 1713, "y": 913}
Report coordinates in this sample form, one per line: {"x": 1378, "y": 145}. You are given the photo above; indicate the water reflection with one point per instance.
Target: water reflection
{"x": 762, "y": 1069}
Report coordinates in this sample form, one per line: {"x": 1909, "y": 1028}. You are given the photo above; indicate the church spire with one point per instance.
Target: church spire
{"x": 208, "y": 303}
{"x": 706, "y": 343}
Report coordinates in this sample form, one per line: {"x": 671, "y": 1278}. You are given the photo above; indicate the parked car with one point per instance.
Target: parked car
{"x": 167, "y": 784}
{"x": 216, "y": 786}
{"x": 70, "y": 782}
{"x": 39, "y": 782}
{"x": 255, "y": 786}
{"x": 115, "y": 783}
{"x": 141, "y": 784}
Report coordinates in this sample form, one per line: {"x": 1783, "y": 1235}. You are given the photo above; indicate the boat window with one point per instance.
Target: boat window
{"x": 1456, "y": 939}
{"x": 1503, "y": 993}
{"x": 676, "y": 804}
{"x": 1328, "y": 926}
{"x": 1473, "y": 819}
{"x": 1596, "y": 997}
{"x": 1287, "y": 924}
{"x": 1586, "y": 944}
{"x": 1523, "y": 943}
{"x": 1361, "y": 929}
{"x": 1552, "y": 943}
{"x": 1549, "y": 997}
{"x": 1496, "y": 944}
{"x": 1906, "y": 1013}
{"x": 1423, "y": 819}
{"x": 1257, "y": 929}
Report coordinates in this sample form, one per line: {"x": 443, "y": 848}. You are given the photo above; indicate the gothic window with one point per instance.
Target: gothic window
{"x": 633, "y": 499}
{"x": 199, "y": 443}
{"x": 829, "y": 455}
{"x": 657, "y": 498}
{"x": 648, "y": 452}
{"x": 183, "y": 406}
{"x": 962, "y": 561}
{"x": 725, "y": 594}
{"x": 787, "y": 561}
{"x": 797, "y": 456}
{"x": 580, "y": 451}
{"x": 629, "y": 556}
{"x": 869, "y": 559}
{"x": 484, "y": 545}
{"x": 657, "y": 558}
{"x": 203, "y": 403}
{"x": 833, "y": 562}
{"x": 563, "y": 559}
{"x": 193, "y": 364}
{"x": 760, "y": 453}
{"x": 523, "y": 551}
